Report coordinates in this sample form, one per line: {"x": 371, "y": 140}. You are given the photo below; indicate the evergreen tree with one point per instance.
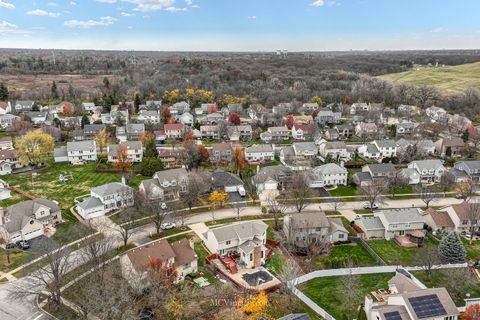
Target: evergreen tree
{"x": 465, "y": 135}
{"x": 150, "y": 149}
{"x": 3, "y": 92}
{"x": 150, "y": 166}
{"x": 85, "y": 120}
{"x": 451, "y": 249}
{"x": 54, "y": 90}
{"x": 137, "y": 102}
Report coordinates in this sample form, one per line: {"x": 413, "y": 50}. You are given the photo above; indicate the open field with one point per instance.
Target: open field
{"x": 328, "y": 292}
{"x": 453, "y": 79}
{"x": 393, "y": 254}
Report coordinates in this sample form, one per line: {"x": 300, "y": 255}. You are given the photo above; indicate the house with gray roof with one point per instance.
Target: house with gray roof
{"x": 470, "y": 168}
{"x": 165, "y": 185}
{"x": 227, "y": 182}
{"x": 24, "y": 105}
{"x": 430, "y": 171}
{"x": 37, "y": 117}
{"x": 304, "y": 229}
{"x": 327, "y": 116}
{"x": 134, "y": 151}
{"x": 7, "y": 120}
{"x": 149, "y": 116}
{"x": 76, "y": 152}
{"x": 334, "y": 150}
{"x": 407, "y": 128}
{"x": 239, "y": 133}
{"x": 247, "y": 239}
{"x": 27, "y": 220}
{"x": 279, "y": 133}
{"x": 259, "y": 153}
{"x": 330, "y": 174}
{"x": 105, "y": 198}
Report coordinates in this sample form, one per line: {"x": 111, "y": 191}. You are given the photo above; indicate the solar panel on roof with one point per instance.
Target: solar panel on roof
{"x": 394, "y": 315}
{"x": 427, "y": 306}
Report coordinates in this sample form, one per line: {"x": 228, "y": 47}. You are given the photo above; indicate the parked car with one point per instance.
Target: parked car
{"x": 459, "y": 196}
{"x": 168, "y": 225}
{"x": 241, "y": 191}
{"x": 163, "y": 206}
{"x": 24, "y": 245}
{"x": 366, "y": 205}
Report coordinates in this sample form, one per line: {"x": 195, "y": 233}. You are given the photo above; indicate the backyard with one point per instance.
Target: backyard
{"x": 329, "y": 292}
{"x": 341, "y": 254}
{"x": 393, "y": 254}
{"x": 473, "y": 250}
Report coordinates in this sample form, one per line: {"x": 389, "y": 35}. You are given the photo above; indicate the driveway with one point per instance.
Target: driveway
{"x": 12, "y": 309}
{"x": 323, "y": 193}
{"x": 237, "y": 200}
{"x": 199, "y": 229}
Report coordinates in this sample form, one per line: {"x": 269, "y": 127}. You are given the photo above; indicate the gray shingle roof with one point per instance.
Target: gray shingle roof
{"x": 221, "y": 178}
{"x": 260, "y": 148}
{"x": 381, "y": 168}
{"x": 110, "y": 189}
{"x": 240, "y": 230}
{"x": 18, "y": 214}
{"x": 372, "y": 223}
{"x": 402, "y": 215}
{"x": 86, "y": 145}
{"x": 90, "y": 203}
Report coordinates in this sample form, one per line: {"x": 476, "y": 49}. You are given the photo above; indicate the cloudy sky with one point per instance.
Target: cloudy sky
{"x": 240, "y": 25}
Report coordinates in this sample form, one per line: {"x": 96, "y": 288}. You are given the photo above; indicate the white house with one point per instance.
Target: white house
{"x": 105, "y": 198}
{"x": 260, "y": 153}
{"x": 134, "y": 151}
{"x": 330, "y": 174}
{"x": 248, "y": 239}
{"x": 430, "y": 171}
{"x": 336, "y": 150}
{"x": 165, "y": 185}
{"x": 37, "y": 117}
{"x": 76, "y": 152}
{"x": 6, "y": 143}
{"x": 89, "y": 106}
{"x": 149, "y": 116}
{"x": 187, "y": 119}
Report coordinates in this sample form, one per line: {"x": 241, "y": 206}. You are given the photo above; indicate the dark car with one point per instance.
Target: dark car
{"x": 24, "y": 245}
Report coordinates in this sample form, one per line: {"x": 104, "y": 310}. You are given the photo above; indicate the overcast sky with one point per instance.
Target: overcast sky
{"x": 240, "y": 25}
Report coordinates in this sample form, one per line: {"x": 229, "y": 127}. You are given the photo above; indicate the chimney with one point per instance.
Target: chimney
{"x": 2, "y": 216}
{"x": 123, "y": 180}
{"x": 191, "y": 243}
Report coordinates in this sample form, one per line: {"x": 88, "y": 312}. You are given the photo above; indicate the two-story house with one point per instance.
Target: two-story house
{"x": 174, "y": 131}
{"x": 327, "y": 116}
{"x": 278, "y": 133}
{"x": 305, "y": 229}
{"x": 171, "y": 158}
{"x": 407, "y": 128}
{"x": 221, "y": 153}
{"x": 247, "y": 239}
{"x": 462, "y": 217}
{"x": 301, "y": 131}
{"x": 27, "y": 220}
{"x": 330, "y": 174}
{"x": 345, "y": 131}
{"x": 375, "y": 173}
{"x": 24, "y": 105}
{"x": 134, "y": 150}
{"x": 106, "y": 198}
{"x": 239, "y": 133}
{"x": 210, "y": 132}
{"x": 366, "y": 130}
{"x": 7, "y": 120}
{"x": 6, "y": 143}
{"x": 149, "y": 116}
{"x": 165, "y": 185}
{"x": 451, "y": 147}
{"x": 435, "y": 113}
{"x": 334, "y": 150}
{"x": 379, "y": 149}
{"x": 259, "y": 153}
{"x": 471, "y": 169}
{"x": 430, "y": 171}
{"x": 5, "y": 107}
{"x": 76, "y": 152}
{"x": 37, "y": 117}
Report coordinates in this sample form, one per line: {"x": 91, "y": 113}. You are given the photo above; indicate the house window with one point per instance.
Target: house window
{"x": 341, "y": 236}
{"x": 465, "y": 222}
{"x": 251, "y": 256}
{"x": 407, "y": 225}
{"x": 228, "y": 242}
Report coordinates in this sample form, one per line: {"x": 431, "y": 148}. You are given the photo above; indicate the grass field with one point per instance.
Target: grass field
{"x": 451, "y": 78}
{"x": 328, "y": 292}
{"x": 393, "y": 254}
{"x": 344, "y": 252}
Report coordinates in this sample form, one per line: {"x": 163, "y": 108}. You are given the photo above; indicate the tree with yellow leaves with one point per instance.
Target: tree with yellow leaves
{"x": 34, "y": 147}
{"x": 101, "y": 139}
{"x": 254, "y": 306}
{"x": 218, "y": 198}
{"x": 317, "y": 100}
{"x": 171, "y": 96}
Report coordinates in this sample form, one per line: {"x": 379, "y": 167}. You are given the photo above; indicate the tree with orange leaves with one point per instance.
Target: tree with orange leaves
{"x": 472, "y": 312}
{"x": 212, "y": 108}
{"x": 164, "y": 273}
{"x": 238, "y": 159}
{"x": 145, "y": 137}
{"x": 165, "y": 114}
{"x": 203, "y": 152}
{"x": 234, "y": 118}
{"x": 122, "y": 163}
{"x": 188, "y": 136}
{"x": 171, "y": 120}
{"x": 289, "y": 122}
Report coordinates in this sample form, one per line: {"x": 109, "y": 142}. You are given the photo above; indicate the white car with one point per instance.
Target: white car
{"x": 163, "y": 206}
{"x": 168, "y": 225}
{"x": 366, "y": 205}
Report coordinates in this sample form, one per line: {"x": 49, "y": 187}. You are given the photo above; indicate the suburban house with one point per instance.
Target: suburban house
{"x": 299, "y": 153}
{"x": 366, "y": 129}
{"x": 257, "y": 111}
{"x": 379, "y": 149}
{"x": 392, "y": 224}
{"x": 439, "y": 221}
{"x": 334, "y": 150}
{"x": 301, "y": 131}
{"x": 76, "y": 152}
{"x": 174, "y": 131}
{"x": 170, "y": 158}
{"x": 449, "y": 147}
{"x": 4, "y": 190}
{"x": 134, "y": 151}
{"x": 279, "y": 176}
{"x": 165, "y": 185}
{"x": 430, "y": 171}
{"x": 279, "y": 133}
{"x": 345, "y": 131}
{"x": 105, "y": 198}
{"x": 7, "y": 120}
{"x": 24, "y": 105}
{"x": 5, "y": 107}
{"x": 187, "y": 119}
{"x": 305, "y": 229}
{"x": 423, "y": 147}
{"x": 90, "y": 131}
{"x": 210, "y": 132}
{"x": 408, "y": 109}
{"x": 327, "y": 116}
{"x": 88, "y": 106}
{"x": 309, "y": 107}
{"x": 260, "y": 153}
{"x": 134, "y": 131}
{"x": 282, "y": 109}
{"x": 211, "y": 118}
{"x": 377, "y": 173}
{"x": 149, "y": 116}
{"x": 178, "y": 255}
{"x": 435, "y": 113}
{"x": 8, "y": 161}
{"x": 28, "y": 219}
{"x": 461, "y": 217}
{"x": 331, "y": 134}
{"x": 330, "y": 174}
{"x": 359, "y": 107}
{"x": 179, "y": 108}
{"x": 226, "y": 182}
{"x": 470, "y": 168}
{"x": 37, "y": 117}
{"x": 221, "y": 153}
{"x": 247, "y": 239}
{"x": 407, "y": 128}
{"x": 407, "y": 299}
{"x": 239, "y": 133}
{"x": 6, "y": 143}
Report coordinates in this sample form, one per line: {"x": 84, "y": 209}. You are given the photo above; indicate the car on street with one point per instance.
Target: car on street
{"x": 168, "y": 225}
{"x": 366, "y": 205}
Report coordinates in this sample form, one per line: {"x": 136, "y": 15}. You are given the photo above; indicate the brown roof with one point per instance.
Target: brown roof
{"x": 441, "y": 218}
{"x": 173, "y": 126}
{"x": 183, "y": 252}
{"x": 221, "y": 146}
{"x": 453, "y": 142}
{"x": 158, "y": 249}
{"x": 461, "y": 210}
{"x": 3, "y": 105}
{"x": 7, "y": 154}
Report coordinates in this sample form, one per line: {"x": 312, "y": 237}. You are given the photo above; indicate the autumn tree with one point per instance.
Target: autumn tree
{"x": 212, "y": 108}
{"x": 289, "y": 122}
{"x": 466, "y": 189}
{"x": 472, "y": 312}
{"x": 234, "y": 118}
{"x": 101, "y": 139}
{"x": 317, "y": 100}
{"x": 238, "y": 159}
{"x": 165, "y": 114}
{"x": 161, "y": 272}
{"x": 254, "y": 305}
{"x": 35, "y": 147}
{"x": 218, "y": 198}
{"x": 122, "y": 162}
{"x": 203, "y": 152}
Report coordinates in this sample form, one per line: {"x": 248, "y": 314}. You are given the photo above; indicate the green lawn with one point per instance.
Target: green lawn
{"x": 347, "y": 226}
{"x": 342, "y": 191}
{"x": 17, "y": 258}
{"x": 393, "y": 254}
{"x": 343, "y": 253}
{"x": 202, "y": 254}
{"x": 328, "y": 292}
{"x": 473, "y": 250}
{"x": 276, "y": 262}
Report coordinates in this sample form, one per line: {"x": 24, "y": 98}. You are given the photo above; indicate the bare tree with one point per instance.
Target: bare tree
{"x": 473, "y": 218}
{"x": 458, "y": 282}
{"x": 373, "y": 193}
{"x": 336, "y": 203}
{"x": 127, "y": 228}
{"x": 289, "y": 274}
{"x": 194, "y": 189}
{"x": 6, "y": 241}
{"x": 300, "y": 191}
{"x": 276, "y": 207}
{"x": 426, "y": 95}
{"x": 426, "y": 257}
{"x": 251, "y": 188}
{"x": 426, "y": 194}
{"x": 351, "y": 292}
{"x": 447, "y": 181}
{"x": 466, "y": 189}
{"x": 395, "y": 182}
{"x": 49, "y": 275}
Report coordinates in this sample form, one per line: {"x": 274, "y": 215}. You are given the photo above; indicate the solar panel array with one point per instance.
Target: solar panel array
{"x": 393, "y": 315}
{"x": 427, "y": 306}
